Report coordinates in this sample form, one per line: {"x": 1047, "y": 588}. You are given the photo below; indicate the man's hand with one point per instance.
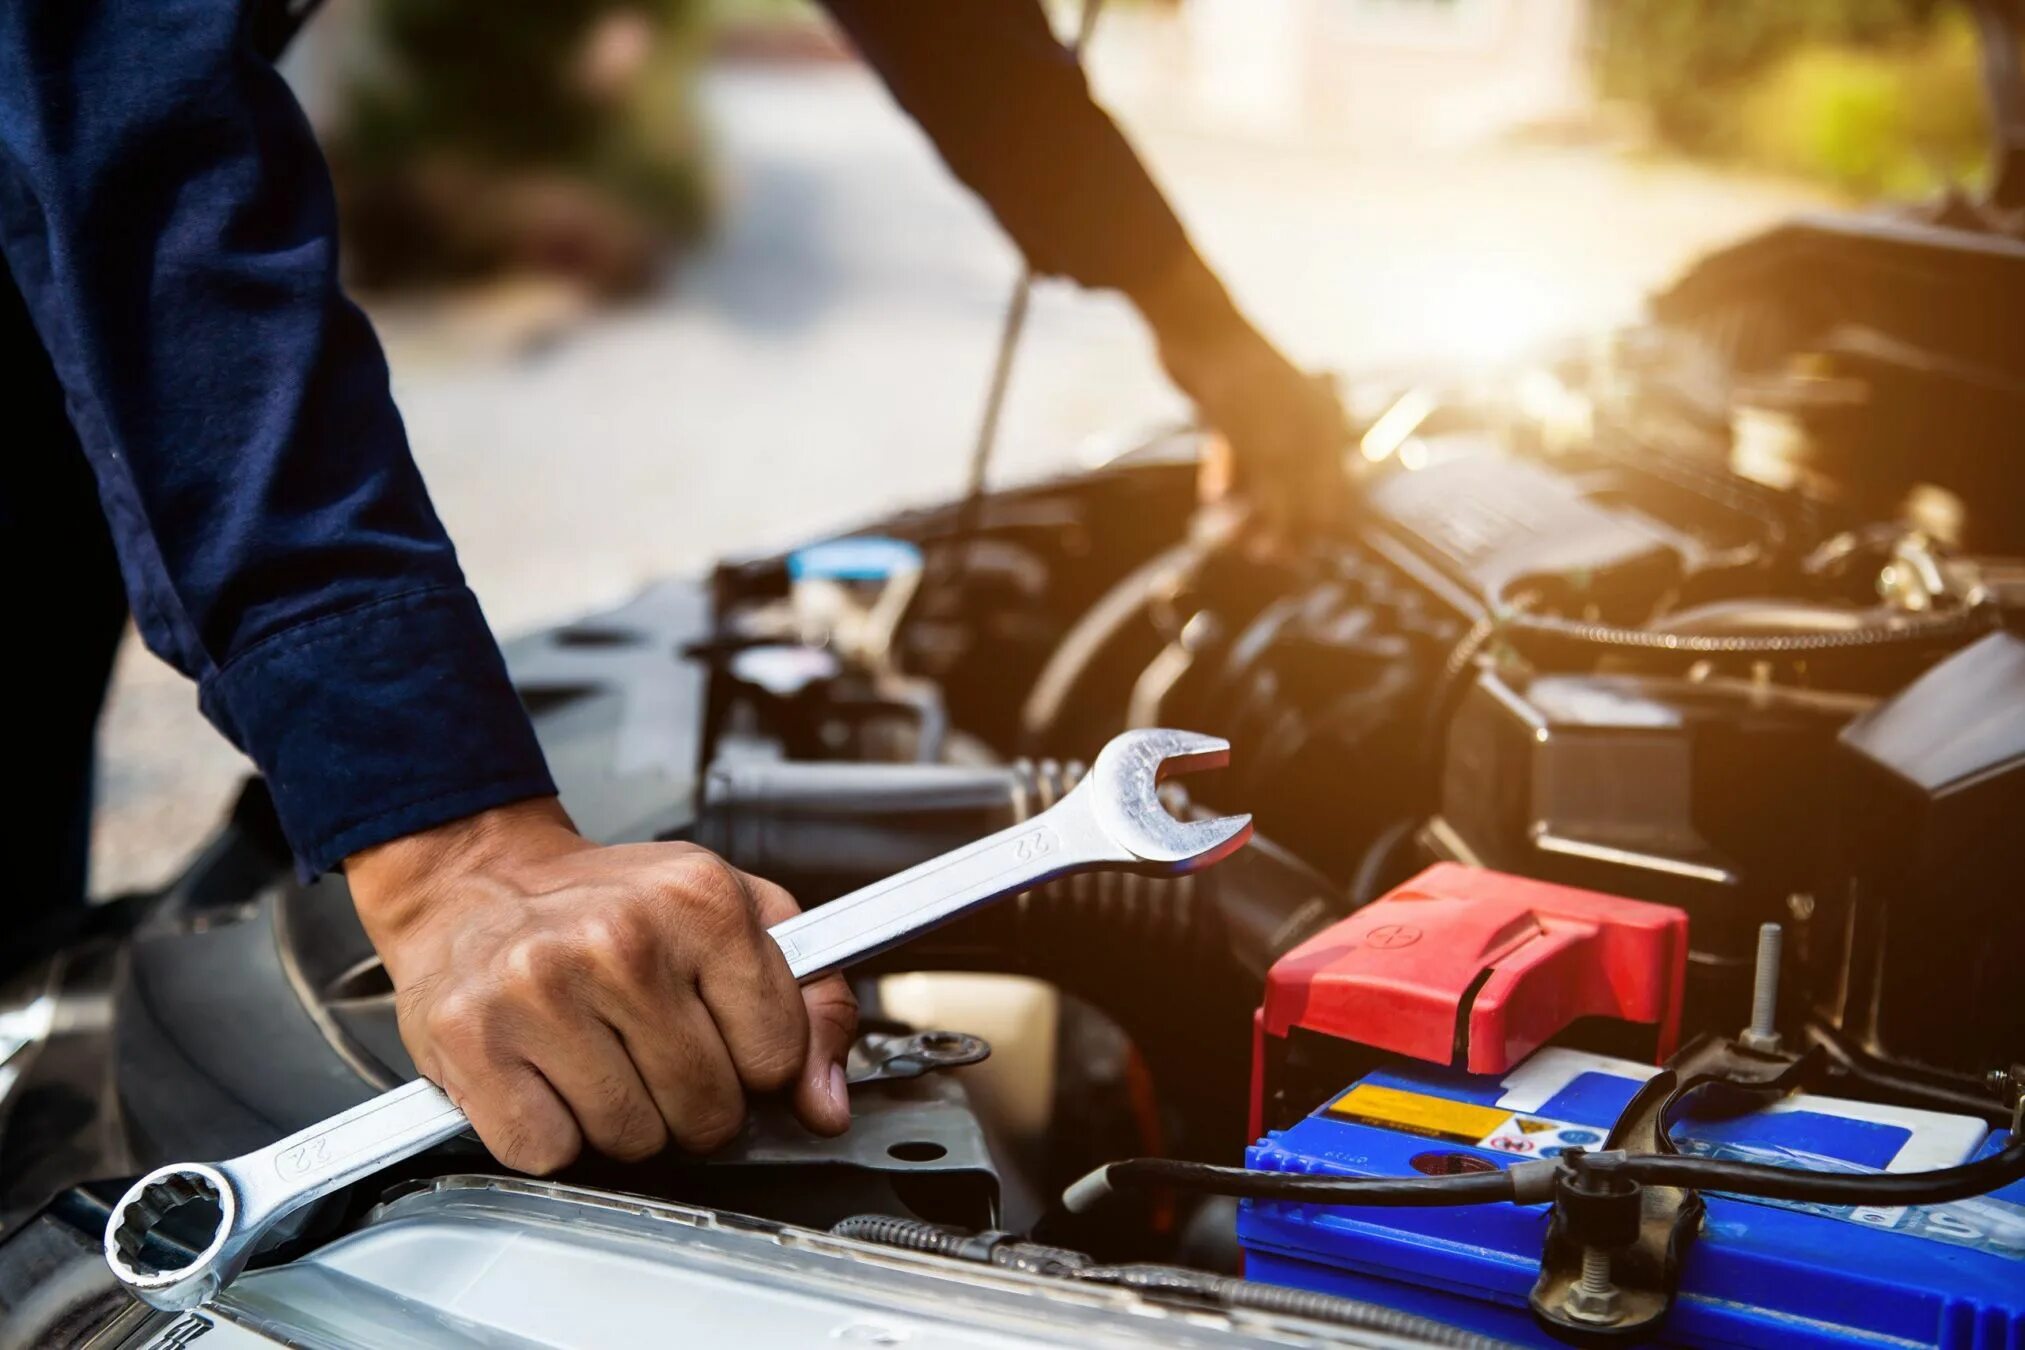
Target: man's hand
{"x": 1284, "y": 431}
{"x": 566, "y": 994}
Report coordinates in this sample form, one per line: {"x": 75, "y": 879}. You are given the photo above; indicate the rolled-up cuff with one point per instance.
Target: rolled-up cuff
{"x": 379, "y": 721}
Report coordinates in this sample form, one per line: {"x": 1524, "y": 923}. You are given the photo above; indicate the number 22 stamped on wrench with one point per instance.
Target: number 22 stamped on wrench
{"x": 1113, "y": 819}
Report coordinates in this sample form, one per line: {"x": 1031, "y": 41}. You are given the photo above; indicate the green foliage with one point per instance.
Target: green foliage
{"x": 1867, "y": 95}
{"x": 1688, "y": 60}
{"x": 479, "y": 135}
{"x": 1899, "y": 121}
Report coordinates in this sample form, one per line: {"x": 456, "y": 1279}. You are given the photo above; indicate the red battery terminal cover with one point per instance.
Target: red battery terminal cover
{"x": 1478, "y": 969}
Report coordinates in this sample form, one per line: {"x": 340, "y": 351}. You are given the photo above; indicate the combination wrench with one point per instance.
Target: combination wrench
{"x": 1112, "y": 819}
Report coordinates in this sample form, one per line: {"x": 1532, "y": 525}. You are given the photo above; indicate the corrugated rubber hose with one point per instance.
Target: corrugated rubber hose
{"x": 1225, "y": 1291}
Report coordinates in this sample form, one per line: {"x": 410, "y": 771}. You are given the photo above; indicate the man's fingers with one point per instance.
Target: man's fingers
{"x": 751, "y": 992}
{"x": 518, "y": 1116}
{"x": 822, "y": 1100}
{"x": 681, "y": 1056}
{"x": 598, "y": 1081}
{"x": 631, "y": 997}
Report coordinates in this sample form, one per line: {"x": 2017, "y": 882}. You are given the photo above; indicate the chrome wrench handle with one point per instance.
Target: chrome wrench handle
{"x": 255, "y": 1189}
{"x": 252, "y": 1191}
{"x": 1112, "y": 819}
{"x": 1063, "y": 839}
{"x": 402, "y": 1122}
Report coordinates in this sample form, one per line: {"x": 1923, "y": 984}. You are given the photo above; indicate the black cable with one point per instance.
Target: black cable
{"x": 909, "y": 1234}
{"x": 1520, "y": 1185}
{"x": 1885, "y": 1079}
{"x": 1229, "y": 1291}
{"x": 1831, "y": 1188}
{"x": 1531, "y": 633}
{"x": 1458, "y": 673}
{"x": 1380, "y": 861}
{"x": 1461, "y": 1188}
{"x": 1226, "y": 1291}
{"x": 1914, "y": 631}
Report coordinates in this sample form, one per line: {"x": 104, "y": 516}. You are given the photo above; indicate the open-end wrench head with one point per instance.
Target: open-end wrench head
{"x": 159, "y": 1275}
{"x": 1126, "y": 797}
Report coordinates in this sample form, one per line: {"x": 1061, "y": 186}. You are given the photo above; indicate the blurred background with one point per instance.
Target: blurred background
{"x": 662, "y": 280}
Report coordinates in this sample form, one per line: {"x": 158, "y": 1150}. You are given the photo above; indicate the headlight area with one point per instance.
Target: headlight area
{"x": 488, "y": 1262}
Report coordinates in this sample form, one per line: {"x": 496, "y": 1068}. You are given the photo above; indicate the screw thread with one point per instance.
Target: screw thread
{"x": 1765, "y": 985}
{"x": 1596, "y": 1271}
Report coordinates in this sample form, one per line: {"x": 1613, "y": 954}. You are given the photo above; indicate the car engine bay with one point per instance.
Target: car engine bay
{"x": 1637, "y": 770}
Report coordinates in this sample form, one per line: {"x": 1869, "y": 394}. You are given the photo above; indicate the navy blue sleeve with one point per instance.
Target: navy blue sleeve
{"x": 167, "y": 217}
{"x": 1009, "y": 111}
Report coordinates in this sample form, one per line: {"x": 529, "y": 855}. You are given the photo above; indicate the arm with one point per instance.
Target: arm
{"x": 167, "y": 218}
{"x": 1011, "y": 114}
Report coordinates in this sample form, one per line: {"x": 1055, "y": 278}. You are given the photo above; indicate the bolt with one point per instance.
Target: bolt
{"x": 1593, "y": 1296}
{"x": 1596, "y": 1272}
{"x": 1763, "y": 1033}
{"x": 2007, "y": 1085}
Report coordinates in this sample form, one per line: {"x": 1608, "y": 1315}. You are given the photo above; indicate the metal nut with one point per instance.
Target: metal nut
{"x": 1593, "y": 1297}
{"x": 1587, "y": 1306}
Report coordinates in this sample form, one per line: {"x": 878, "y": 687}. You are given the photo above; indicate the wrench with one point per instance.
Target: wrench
{"x": 1112, "y": 819}
{"x": 892, "y": 1059}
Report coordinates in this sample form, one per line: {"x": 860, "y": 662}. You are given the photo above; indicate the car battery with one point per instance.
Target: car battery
{"x": 1759, "y": 1273}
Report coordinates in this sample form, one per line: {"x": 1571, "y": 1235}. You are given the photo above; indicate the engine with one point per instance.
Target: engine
{"x": 1558, "y": 639}
{"x": 1649, "y": 726}
{"x": 1680, "y": 619}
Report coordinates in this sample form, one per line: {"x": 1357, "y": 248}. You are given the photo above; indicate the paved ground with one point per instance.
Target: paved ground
{"x": 825, "y": 358}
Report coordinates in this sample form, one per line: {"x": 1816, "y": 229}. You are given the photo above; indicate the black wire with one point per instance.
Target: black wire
{"x": 1462, "y": 1188}
{"x": 1913, "y": 632}
{"x": 1233, "y": 1292}
{"x": 1477, "y": 1188}
{"x": 1458, "y": 674}
{"x": 1380, "y": 861}
{"x": 1886, "y": 1079}
{"x": 1833, "y": 1188}
{"x": 1156, "y": 1281}
{"x": 1531, "y": 633}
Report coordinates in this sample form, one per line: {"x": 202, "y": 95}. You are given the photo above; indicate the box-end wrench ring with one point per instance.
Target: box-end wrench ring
{"x": 1112, "y": 819}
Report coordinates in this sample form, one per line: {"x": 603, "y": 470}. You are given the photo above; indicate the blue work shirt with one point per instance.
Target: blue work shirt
{"x": 168, "y": 221}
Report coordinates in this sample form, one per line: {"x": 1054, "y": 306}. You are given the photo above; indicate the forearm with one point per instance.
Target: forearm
{"x": 1008, "y": 109}
{"x": 168, "y": 218}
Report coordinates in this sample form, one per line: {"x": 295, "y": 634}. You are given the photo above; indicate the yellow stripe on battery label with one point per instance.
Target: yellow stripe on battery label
{"x": 1418, "y": 1113}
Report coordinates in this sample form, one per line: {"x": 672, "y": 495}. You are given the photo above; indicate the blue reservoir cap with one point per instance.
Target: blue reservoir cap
{"x": 864, "y": 558}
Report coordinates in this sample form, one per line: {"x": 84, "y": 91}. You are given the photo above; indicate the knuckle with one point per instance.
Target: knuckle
{"x": 542, "y": 1157}
{"x": 621, "y": 942}
{"x": 833, "y": 1000}
{"x": 836, "y": 1012}
{"x": 538, "y": 969}
{"x": 628, "y": 1126}
{"x": 708, "y": 1125}
{"x": 774, "y": 1060}
{"x": 535, "y": 1151}
{"x": 637, "y": 1146}
{"x": 639, "y": 1135}
{"x": 711, "y": 893}
{"x": 457, "y": 1021}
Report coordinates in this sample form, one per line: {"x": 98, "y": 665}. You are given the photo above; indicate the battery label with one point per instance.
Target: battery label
{"x": 1418, "y": 1113}
{"x": 1533, "y": 1137}
{"x": 1433, "y": 1117}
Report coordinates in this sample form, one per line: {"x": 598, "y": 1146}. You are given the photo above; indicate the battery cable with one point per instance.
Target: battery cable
{"x": 1532, "y": 1182}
